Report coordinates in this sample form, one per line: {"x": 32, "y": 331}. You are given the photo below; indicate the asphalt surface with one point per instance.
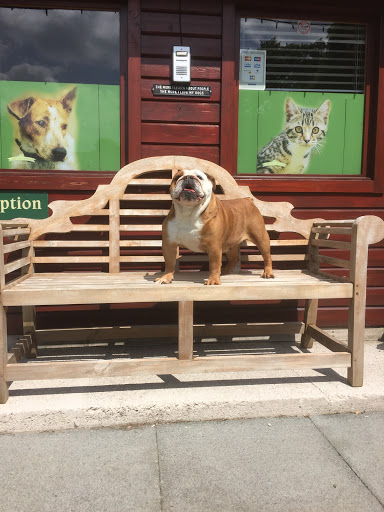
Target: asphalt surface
{"x": 331, "y": 463}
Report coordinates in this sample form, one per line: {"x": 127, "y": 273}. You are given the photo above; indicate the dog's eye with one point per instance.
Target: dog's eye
{"x": 41, "y": 123}
{"x": 200, "y": 176}
{"x": 64, "y": 126}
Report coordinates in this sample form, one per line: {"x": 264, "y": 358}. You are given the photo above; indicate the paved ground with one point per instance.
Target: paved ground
{"x": 113, "y": 402}
{"x": 321, "y": 463}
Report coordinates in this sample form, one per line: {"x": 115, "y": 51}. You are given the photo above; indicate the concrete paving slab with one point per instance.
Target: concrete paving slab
{"x": 80, "y": 471}
{"x": 359, "y": 439}
{"x": 275, "y": 464}
{"x": 107, "y": 402}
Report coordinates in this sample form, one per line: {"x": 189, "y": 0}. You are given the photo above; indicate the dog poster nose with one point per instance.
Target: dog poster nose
{"x": 58, "y": 154}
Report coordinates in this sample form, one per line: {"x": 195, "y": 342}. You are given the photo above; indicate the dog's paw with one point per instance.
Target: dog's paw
{"x": 267, "y": 275}
{"x": 212, "y": 281}
{"x": 163, "y": 280}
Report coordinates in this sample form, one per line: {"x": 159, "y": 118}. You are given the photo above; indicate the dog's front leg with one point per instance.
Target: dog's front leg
{"x": 170, "y": 255}
{"x": 215, "y": 254}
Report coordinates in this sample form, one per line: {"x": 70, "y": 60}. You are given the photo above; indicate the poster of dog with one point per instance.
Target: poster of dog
{"x": 43, "y": 132}
{"x": 59, "y": 127}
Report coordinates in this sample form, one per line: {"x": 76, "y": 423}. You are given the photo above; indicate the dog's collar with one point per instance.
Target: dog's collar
{"x": 30, "y": 155}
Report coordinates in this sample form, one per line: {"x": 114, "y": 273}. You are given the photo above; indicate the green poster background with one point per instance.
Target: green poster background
{"x": 262, "y": 117}
{"x": 94, "y": 121}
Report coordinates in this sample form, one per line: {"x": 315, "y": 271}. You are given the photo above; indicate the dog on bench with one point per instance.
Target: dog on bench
{"x": 201, "y": 222}
{"x": 44, "y": 138}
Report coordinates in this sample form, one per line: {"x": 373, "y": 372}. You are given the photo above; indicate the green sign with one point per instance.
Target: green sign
{"x": 30, "y": 205}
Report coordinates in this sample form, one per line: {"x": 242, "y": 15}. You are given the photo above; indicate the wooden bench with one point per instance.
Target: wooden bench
{"x": 106, "y": 250}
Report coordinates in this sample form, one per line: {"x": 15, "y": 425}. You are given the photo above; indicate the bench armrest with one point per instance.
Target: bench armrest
{"x": 14, "y": 236}
{"x": 361, "y": 233}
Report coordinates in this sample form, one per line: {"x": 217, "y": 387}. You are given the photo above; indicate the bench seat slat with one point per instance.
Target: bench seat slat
{"x": 85, "y": 288}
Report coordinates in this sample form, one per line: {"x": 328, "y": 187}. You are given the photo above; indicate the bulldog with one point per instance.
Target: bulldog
{"x": 201, "y": 222}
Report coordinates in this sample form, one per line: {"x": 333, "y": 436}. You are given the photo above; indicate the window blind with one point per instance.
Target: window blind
{"x": 308, "y": 56}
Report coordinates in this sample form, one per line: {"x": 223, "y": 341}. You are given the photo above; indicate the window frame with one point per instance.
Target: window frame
{"x": 17, "y": 179}
{"x": 372, "y": 178}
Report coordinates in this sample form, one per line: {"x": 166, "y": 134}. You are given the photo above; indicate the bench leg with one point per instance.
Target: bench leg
{"x": 310, "y": 317}
{"x": 29, "y": 328}
{"x": 3, "y": 355}
{"x": 356, "y": 335}
{"x": 185, "y": 330}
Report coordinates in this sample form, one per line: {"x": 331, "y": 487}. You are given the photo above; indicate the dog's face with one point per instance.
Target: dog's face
{"x": 192, "y": 187}
{"x": 43, "y": 125}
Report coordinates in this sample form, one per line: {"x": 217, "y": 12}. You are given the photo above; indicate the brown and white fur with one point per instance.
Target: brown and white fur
{"x": 43, "y": 132}
{"x": 201, "y": 222}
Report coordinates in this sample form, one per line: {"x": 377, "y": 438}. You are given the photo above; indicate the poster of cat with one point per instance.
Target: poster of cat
{"x": 291, "y": 150}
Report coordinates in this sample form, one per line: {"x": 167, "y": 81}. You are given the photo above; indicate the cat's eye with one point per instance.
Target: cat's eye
{"x": 315, "y": 130}
{"x": 298, "y": 129}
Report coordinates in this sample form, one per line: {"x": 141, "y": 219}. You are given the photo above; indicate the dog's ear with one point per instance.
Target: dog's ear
{"x": 175, "y": 178}
{"x": 20, "y": 108}
{"x": 69, "y": 99}
{"x": 212, "y": 179}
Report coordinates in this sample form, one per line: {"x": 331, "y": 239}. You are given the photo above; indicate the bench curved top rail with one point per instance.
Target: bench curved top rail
{"x": 63, "y": 211}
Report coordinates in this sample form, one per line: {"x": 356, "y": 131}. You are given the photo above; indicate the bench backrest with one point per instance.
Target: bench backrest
{"x": 119, "y": 227}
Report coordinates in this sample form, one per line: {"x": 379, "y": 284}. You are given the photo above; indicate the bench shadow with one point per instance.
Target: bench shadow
{"x": 135, "y": 349}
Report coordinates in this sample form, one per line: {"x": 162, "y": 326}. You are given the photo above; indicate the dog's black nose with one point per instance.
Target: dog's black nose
{"x": 58, "y": 154}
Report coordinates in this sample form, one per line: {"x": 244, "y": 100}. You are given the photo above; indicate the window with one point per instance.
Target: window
{"x": 306, "y": 115}
{"x": 59, "y": 89}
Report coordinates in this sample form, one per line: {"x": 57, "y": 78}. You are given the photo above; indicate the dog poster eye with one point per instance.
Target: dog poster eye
{"x": 298, "y": 129}
{"x": 64, "y": 126}
{"x": 41, "y": 123}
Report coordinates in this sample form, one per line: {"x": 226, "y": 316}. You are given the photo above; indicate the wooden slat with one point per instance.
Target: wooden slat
{"x": 114, "y": 236}
{"x": 165, "y": 331}
{"x": 333, "y": 230}
{"x": 145, "y": 213}
{"x": 337, "y": 278}
{"x": 185, "y": 330}
{"x": 169, "y": 23}
{"x": 90, "y": 227}
{"x": 70, "y": 243}
{"x": 16, "y": 246}
{"x": 179, "y": 111}
{"x": 16, "y": 232}
{"x": 15, "y": 265}
{"x": 160, "y": 45}
{"x": 140, "y": 243}
{"x": 146, "y": 197}
{"x": 145, "y": 182}
{"x": 248, "y": 257}
{"x": 173, "y": 133}
{"x": 141, "y": 227}
{"x": 331, "y": 244}
{"x": 334, "y": 223}
{"x": 67, "y": 288}
{"x": 7, "y": 224}
{"x": 283, "y": 243}
{"x": 70, "y": 259}
{"x": 326, "y": 339}
{"x": 141, "y": 259}
{"x": 338, "y": 262}
{"x": 80, "y": 244}
{"x": 210, "y": 153}
{"x": 161, "y": 366}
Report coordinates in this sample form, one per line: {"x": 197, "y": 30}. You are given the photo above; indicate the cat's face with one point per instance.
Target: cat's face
{"x": 306, "y": 126}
